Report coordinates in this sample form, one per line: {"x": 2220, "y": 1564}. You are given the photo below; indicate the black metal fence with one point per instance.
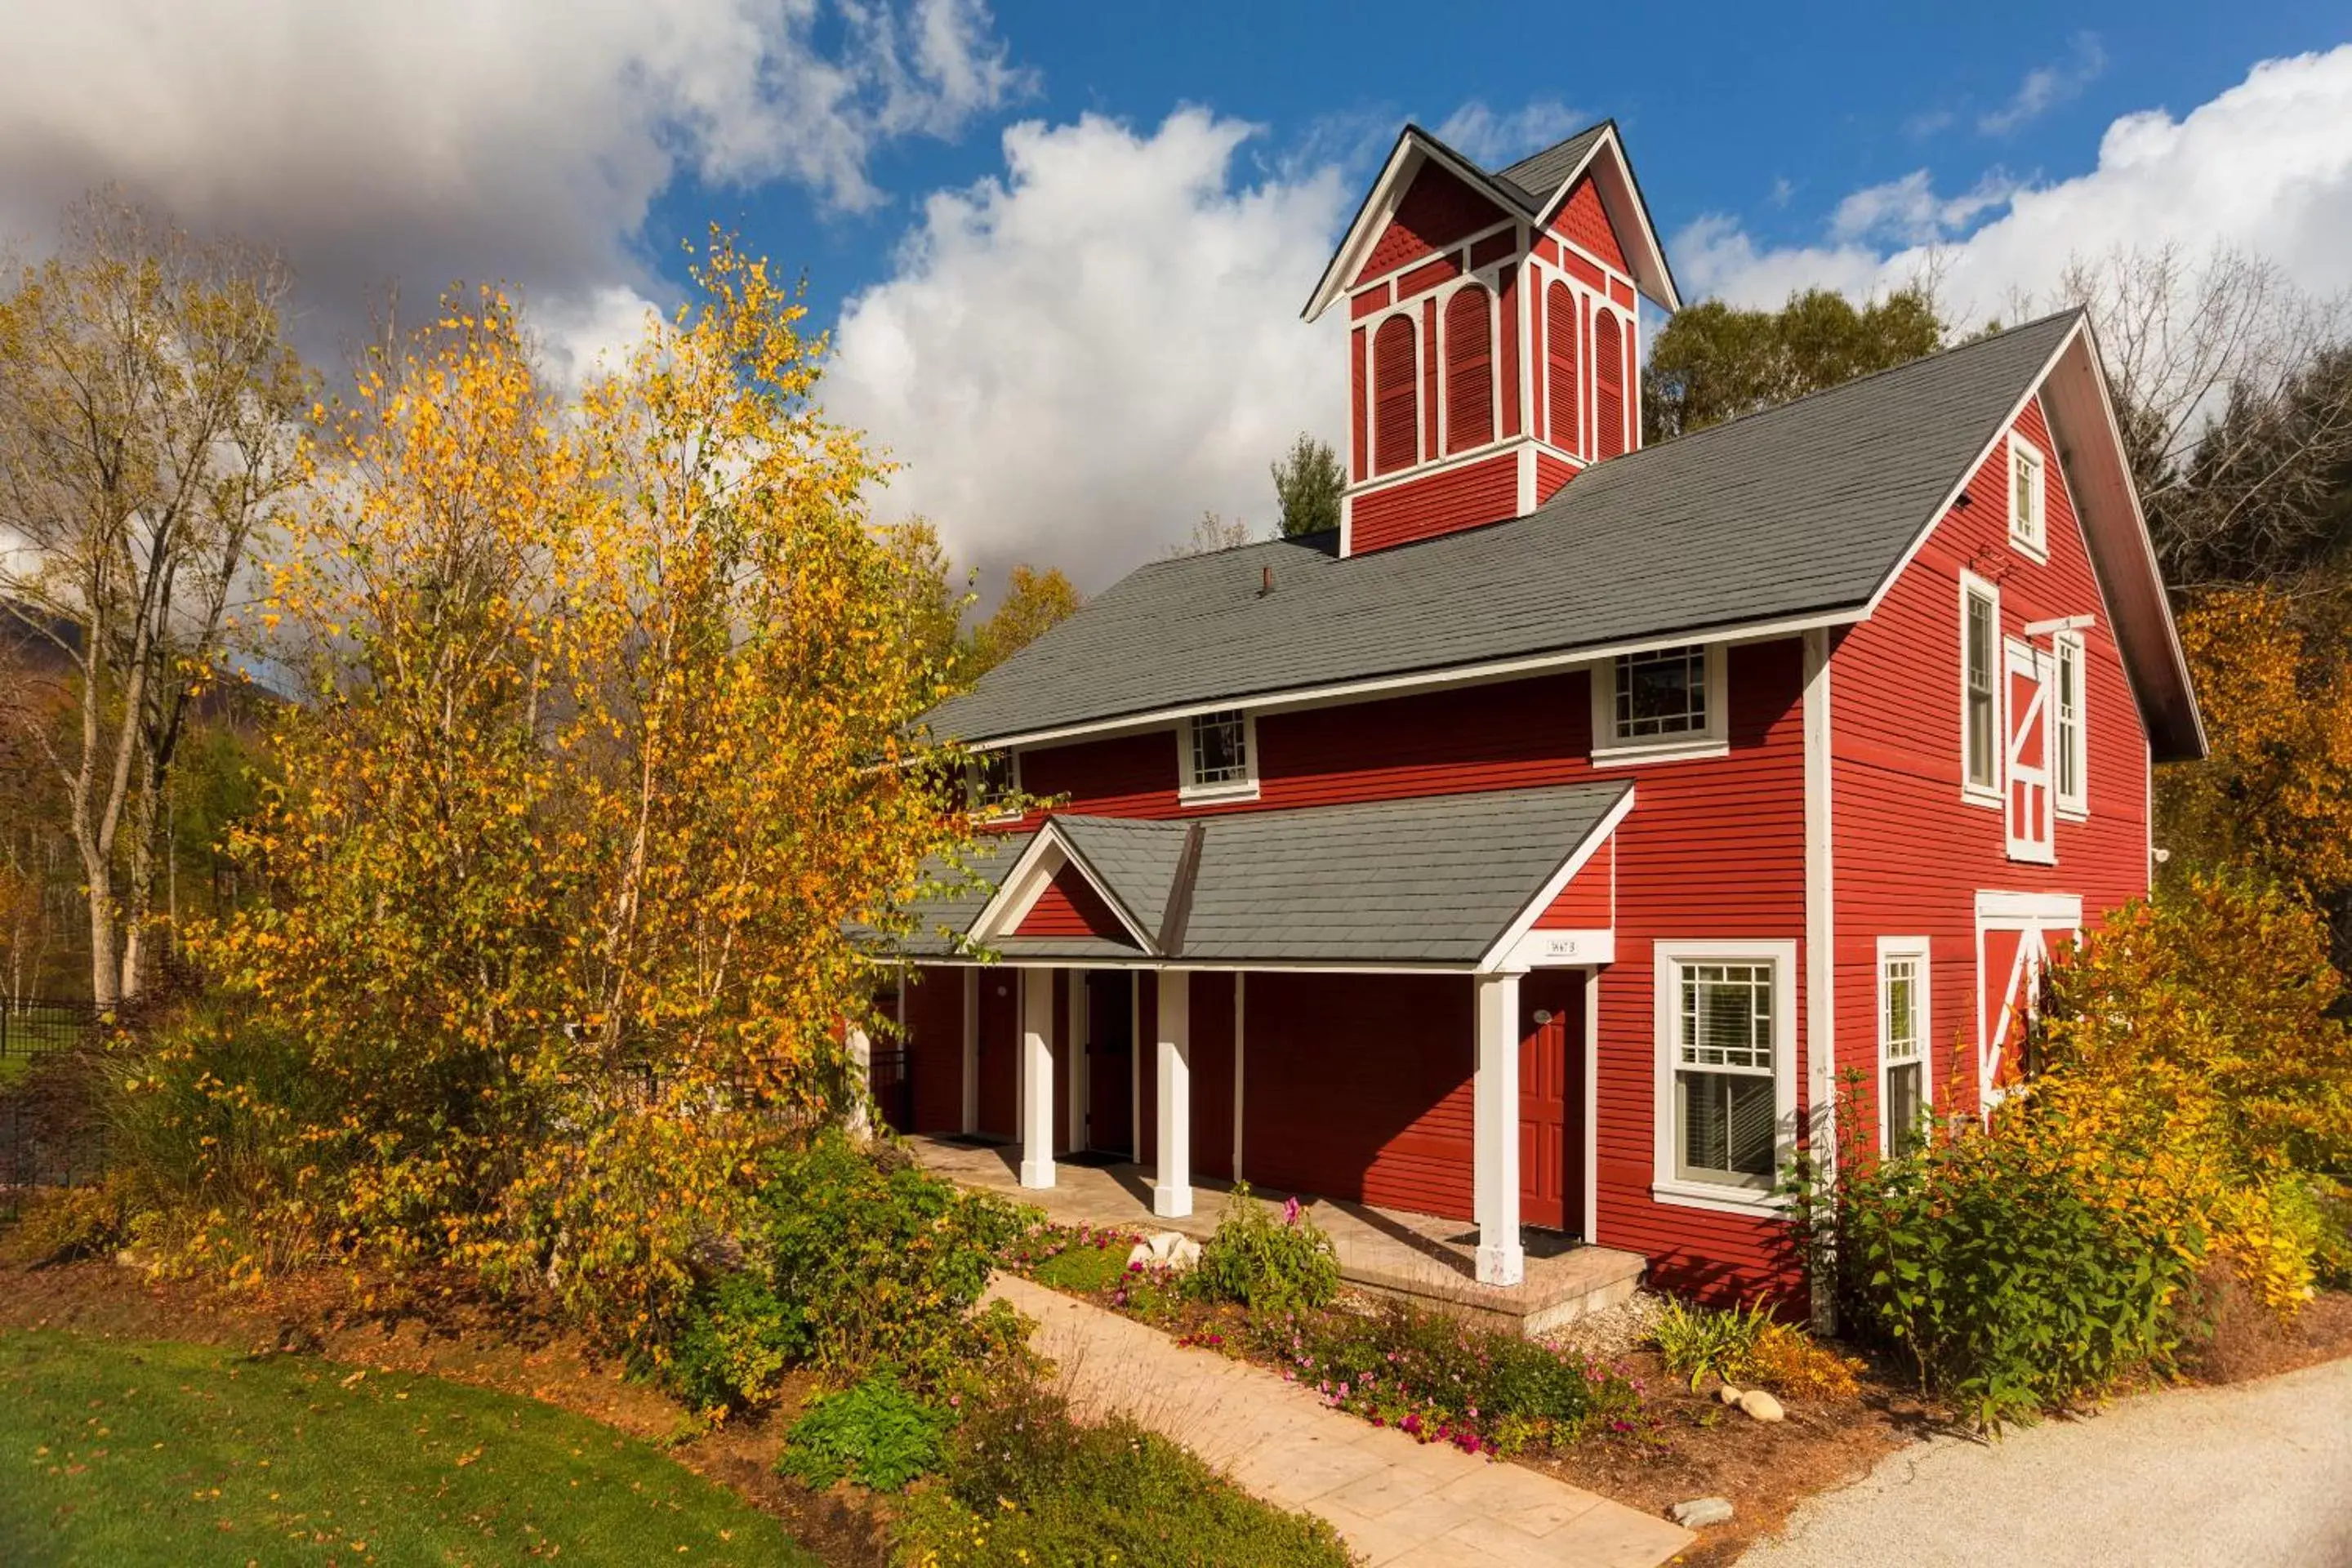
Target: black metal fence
{"x": 890, "y": 1076}
{"x": 49, "y": 1133}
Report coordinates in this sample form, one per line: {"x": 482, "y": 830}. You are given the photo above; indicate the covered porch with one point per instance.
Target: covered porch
{"x": 1388, "y": 1007}
{"x": 1418, "y": 1258}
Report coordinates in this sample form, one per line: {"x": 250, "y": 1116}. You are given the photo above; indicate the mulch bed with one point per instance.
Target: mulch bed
{"x": 454, "y": 1334}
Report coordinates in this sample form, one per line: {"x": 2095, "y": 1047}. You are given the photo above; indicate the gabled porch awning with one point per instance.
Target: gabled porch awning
{"x": 1469, "y": 883}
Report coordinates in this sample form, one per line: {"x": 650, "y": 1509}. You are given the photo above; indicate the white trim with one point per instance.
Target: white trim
{"x": 986, "y": 817}
{"x": 1523, "y": 923}
{"x": 2036, "y": 548}
{"x": 1666, "y": 961}
{"x": 1244, "y": 788}
{"x": 1820, "y": 923}
{"x": 2011, "y": 910}
{"x": 1241, "y": 979}
{"x": 1150, "y": 964}
{"x": 1591, "y": 1225}
{"x": 1036, "y": 1107}
{"x": 2069, "y": 741}
{"x": 1608, "y": 750}
{"x": 1282, "y": 699}
{"x": 971, "y": 1110}
{"x": 2033, "y": 916}
{"x": 1552, "y": 948}
{"x": 1366, "y": 282}
{"x": 1997, "y": 743}
{"x": 1923, "y": 992}
{"x": 1040, "y": 862}
{"x": 1172, "y": 1140}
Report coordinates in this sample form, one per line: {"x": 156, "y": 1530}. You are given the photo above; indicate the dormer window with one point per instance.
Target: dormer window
{"x": 1666, "y": 702}
{"x": 1218, "y": 756}
{"x": 2027, "y": 525}
{"x": 991, "y": 786}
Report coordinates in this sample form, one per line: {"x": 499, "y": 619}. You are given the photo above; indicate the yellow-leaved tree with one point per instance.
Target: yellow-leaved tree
{"x": 607, "y": 749}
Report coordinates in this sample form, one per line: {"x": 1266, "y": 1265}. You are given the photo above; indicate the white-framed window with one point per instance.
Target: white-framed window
{"x": 1980, "y": 680}
{"x": 1904, "y": 1090}
{"x": 992, "y": 784}
{"x": 1664, "y": 703}
{"x": 1217, "y": 756}
{"x": 2069, "y": 734}
{"x": 1727, "y": 1078}
{"x": 2028, "y": 524}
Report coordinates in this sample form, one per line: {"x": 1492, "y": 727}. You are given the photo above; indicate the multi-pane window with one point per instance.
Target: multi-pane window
{"x": 1661, "y": 693}
{"x": 1902, "y": 1045}
{"x": 2066, "y": 715}
{"x": 1216, "y": 753}
{"x": 1726, "y": 1120}
{"x": 1980, "y": 680}
{"x": 991, "y": 781}
{"x": 2025, "y": 519}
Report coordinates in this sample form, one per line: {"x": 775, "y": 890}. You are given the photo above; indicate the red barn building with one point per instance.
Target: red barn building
{"x": 1542, "y": 848}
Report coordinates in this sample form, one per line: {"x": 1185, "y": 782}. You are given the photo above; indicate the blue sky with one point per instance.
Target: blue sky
{"x": 1063, "y": 247}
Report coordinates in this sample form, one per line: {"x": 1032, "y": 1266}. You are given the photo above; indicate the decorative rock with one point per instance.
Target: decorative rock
{"x": 1184, "y": 1254}
{"x": 1727, "y": 1393}
{"x": 1761, "y": 1405}
{"x": 1701, "y": 1511}
{"x": 1139, "y": 1253}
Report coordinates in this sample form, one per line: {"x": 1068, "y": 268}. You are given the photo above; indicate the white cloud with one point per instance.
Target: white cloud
{"x": 1077, "y": 359}
{"x": 1490, "y": 140}
{"x": 2264, "y": 166}
{"x": 428, "y": 139}
{"x": 2046, "y": 87}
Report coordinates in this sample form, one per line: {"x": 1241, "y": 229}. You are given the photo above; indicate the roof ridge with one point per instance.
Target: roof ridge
{"x": 1937, "y": 357}
{"x": 1605, "y": 122}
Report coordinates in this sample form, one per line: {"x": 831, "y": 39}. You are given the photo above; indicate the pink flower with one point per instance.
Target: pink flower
{"x": 1291, "y": 1211}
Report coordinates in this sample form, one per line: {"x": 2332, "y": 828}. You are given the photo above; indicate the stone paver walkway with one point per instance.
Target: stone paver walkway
{"x": 1393, "y": 1499}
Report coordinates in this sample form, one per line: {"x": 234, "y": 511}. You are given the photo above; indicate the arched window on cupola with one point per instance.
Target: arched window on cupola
{"x": 1396, "y": 407}
{"x": 1469, "y": 368}
{"x": 1609, "y": 358}
{"x": 1559, "y": 368}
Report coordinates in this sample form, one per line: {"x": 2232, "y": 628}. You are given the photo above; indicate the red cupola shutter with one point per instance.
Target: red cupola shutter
{"x": 1609, "y": 360}
{"x": 1396, "y": 411}
{"x": 1469, "y": 369}
{"x": 1560, "y": 367}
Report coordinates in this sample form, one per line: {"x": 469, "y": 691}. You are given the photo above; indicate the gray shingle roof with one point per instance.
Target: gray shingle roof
{"x": 1805, "y": 508}
{"x": 1534, "y": 179}
{"x": 1433, "y": 879}
{"x": 1138, "y": 860}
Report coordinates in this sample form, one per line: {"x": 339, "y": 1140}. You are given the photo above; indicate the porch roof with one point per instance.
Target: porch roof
{"x": 1434, "y": 881}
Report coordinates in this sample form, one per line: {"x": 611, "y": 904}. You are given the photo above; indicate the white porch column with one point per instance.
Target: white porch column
{"x": 970, "y": 1050}
{"x": 1037, "y": 1077}
{"x": 861, "y": 1077}
{"x": 1496, "y": 1130}
{"x": 1171, "y": 1195}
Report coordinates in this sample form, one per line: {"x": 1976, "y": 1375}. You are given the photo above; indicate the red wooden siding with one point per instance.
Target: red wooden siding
{"x": 1910, "y": 856}
{"x": 1372, "y": 301}
{"x": 1493, "y": 248}
{"x": 1469, "y": 368}
{"x": 1428, "y": 276}
{"x": 1212, "y": 1075}
{"x": 1486, "y": 490}
{"x": 934, "y": 1046}
{"x": 1584, "y": 220}
{"x": 1070, "y": 907}
{"x": 1621, "y": 291}
{"x": 1608, "y": 356}
{"x": 1396, "y": 414}
{"x": 1584, "y": 272}
{"x": 1589, "y": 902}
{"x": 1359, "y": 1087}
{"x": 1551, "y": 474}
{"x": 1437, "y": 211}
{"x": 1560, "y": 366}
{"x": 999, "y": 1052}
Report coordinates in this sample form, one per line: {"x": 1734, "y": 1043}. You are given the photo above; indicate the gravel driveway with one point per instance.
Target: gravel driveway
{"x": 2259, "y": 1473}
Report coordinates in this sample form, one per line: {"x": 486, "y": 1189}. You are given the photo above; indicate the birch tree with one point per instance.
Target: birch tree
{"x": 147, "y": 433}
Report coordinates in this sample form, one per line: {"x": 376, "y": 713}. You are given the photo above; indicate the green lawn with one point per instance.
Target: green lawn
{"x": 162, "y": 1453}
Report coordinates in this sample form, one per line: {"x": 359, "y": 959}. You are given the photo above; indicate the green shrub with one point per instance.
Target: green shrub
{"x": 1439, "y": 1378}
{"x": 875, "y": 1433}
{"x": 1265, "y": 1262}
{"x": 1026, "y": 1487}
{"x": 2321, "y": 1208}
{"x": 851, "y": 1268}
{"x": 1084, "y": 1268}
{"x": 1699, "y": 1341}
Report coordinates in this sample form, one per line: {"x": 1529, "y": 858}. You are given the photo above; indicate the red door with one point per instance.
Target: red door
{"x": 1110, "y": 1061}
{"x": 1552, "y": 1099}
{"x": 1000, "y": 1051}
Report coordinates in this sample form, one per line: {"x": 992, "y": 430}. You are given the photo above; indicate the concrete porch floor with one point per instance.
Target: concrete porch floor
{"x": 1415, "y": 1256}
